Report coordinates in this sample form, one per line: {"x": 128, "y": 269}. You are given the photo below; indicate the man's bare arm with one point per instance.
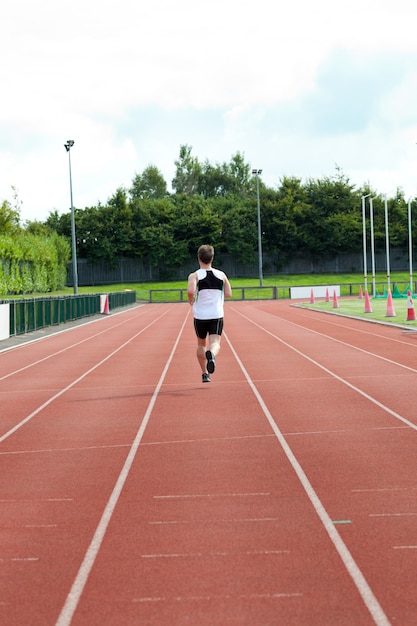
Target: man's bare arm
{"x": 192, "y": 286}
{"x": 227, "y": 288}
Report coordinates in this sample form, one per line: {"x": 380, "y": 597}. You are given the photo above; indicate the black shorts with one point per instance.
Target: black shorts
{"x": 208, "y": 327}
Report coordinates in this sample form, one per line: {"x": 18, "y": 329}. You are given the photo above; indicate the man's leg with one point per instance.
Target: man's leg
{"x": 212, "y": 352}
{"x": 214, "y": 341}
{"x": 201, "y": 354}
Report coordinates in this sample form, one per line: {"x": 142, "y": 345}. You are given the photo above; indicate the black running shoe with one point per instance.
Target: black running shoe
{"x": 206, "y": 378}
{"x": 211, "y": 362}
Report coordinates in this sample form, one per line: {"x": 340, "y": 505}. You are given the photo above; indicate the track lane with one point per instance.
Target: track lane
{"x": 212, "y": 517}
{"x": 370, "y": 371}
{"x": 31, "y": 384}
{"x": 354, "y": 450}
{"x": 58, "y": 469}
{"x": 217, "y": 538}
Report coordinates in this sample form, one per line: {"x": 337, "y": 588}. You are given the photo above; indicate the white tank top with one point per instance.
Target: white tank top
{"x": 209, "y": 301}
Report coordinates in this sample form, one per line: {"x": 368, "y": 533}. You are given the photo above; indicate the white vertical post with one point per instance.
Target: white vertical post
{"x": 68, "y": 145}
{"x": 387, "y": 242}
{"x": 365, "y": 276}
{"x": 371, "y": 215}
{"x": 256, "y": 172}
{"x": 410, "y": 246}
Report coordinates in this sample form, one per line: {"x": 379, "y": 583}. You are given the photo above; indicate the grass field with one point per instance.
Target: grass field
{"x": 355, "y": 307}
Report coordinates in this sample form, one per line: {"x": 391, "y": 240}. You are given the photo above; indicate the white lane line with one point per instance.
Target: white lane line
{"x": 392, "y": 514}
{"x": 206, "y": 439}
{"x": 404, "y": 547}
{"x": 78, "y": 585}
{"x": 56, "y": 450}
{"x": 358, "y": 578}
{"x": 37, "y": 500}
{"x": 127, "y": 445}
{"x": 77, "y": 380}
{"x": 210, "y": 495}
{"x": 237, "y": 520}
{"x": 39, "y": 526}
{"x": 343, "y": 430}
{"x": 17, "y": 559}
{"x": 242, "y": 596}
{"x": 214, "y": 554}
{"x": 193, "y": 441}
{"x": 376, "y": 490}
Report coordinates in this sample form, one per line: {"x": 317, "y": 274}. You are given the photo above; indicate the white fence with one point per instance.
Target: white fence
{"x": 319, "y": 291}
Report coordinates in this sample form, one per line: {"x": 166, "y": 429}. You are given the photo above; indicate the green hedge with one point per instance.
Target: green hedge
{"x": 32, "y": 263}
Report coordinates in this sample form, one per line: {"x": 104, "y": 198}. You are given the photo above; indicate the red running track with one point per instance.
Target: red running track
{"x": 284, "y": 492}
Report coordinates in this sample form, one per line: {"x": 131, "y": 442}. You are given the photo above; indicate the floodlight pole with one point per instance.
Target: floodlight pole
{"x": 365, "y": 277}
{"x": 256, "y": 173}
{"x": 68, "y": 147}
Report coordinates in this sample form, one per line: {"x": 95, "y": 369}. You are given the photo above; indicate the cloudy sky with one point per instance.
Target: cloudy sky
{"x": 298, "y": 87}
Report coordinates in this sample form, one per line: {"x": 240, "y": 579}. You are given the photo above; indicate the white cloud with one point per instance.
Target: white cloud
{"x": 131, "y": 81}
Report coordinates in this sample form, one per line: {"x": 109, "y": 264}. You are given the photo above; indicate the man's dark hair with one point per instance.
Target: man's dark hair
{"x": 206, "y": 254}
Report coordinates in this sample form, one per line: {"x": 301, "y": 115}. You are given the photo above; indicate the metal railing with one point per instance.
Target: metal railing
{"x": 30, "y": 314}
{"x": 261, "y": 293}
{"x": 239, "y": 293}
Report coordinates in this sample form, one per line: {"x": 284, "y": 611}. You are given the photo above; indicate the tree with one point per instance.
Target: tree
{"x": 150, "y": 184}
{"x": 92, "y": 235}
{"x": 332, "y": 202}
{"x": 217, "y": 204}
{"x": 278, "y": 209}
{"x": 9, "y": 219}
{"x": 398, "y": 220}
{"x": 61, "y": 224}
{"x": 240, "y": 181}
{"x": 225, "y": 179}
{"x": 239, "y": 232}
{"x": 188, "y": 173}
{"x": 196, "y": 222}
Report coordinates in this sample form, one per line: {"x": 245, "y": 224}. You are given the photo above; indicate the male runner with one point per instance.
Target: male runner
{"x": 207, "y": 288}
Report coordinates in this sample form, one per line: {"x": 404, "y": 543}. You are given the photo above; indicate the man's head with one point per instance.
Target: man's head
{"x": 205, "y": 254}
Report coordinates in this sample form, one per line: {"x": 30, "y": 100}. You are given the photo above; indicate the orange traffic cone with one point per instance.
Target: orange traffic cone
{"x": 327, "y": 295}
{"x": 368, "y": 308}
{"x": 360, "y": 293}
{"x": 311, "y": 297}
{"x": 411, "y": 314}
{"x": 335, "y": 301}
{"x": 390, "y": 307}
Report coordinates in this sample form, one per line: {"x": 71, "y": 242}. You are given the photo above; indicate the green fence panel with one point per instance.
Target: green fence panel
{"x": 39, "y": 316}
{"x": 29, "y": 314}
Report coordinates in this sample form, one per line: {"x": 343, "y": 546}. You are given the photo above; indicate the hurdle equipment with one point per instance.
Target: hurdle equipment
{"x": 390, "y": 307}
{"x": 411, "y": 314}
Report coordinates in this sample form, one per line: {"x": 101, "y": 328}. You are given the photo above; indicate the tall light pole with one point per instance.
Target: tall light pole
{"x": 68, "y": 147}
{"x": 257, "y": 173}
{"x": 365, "y": 277}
